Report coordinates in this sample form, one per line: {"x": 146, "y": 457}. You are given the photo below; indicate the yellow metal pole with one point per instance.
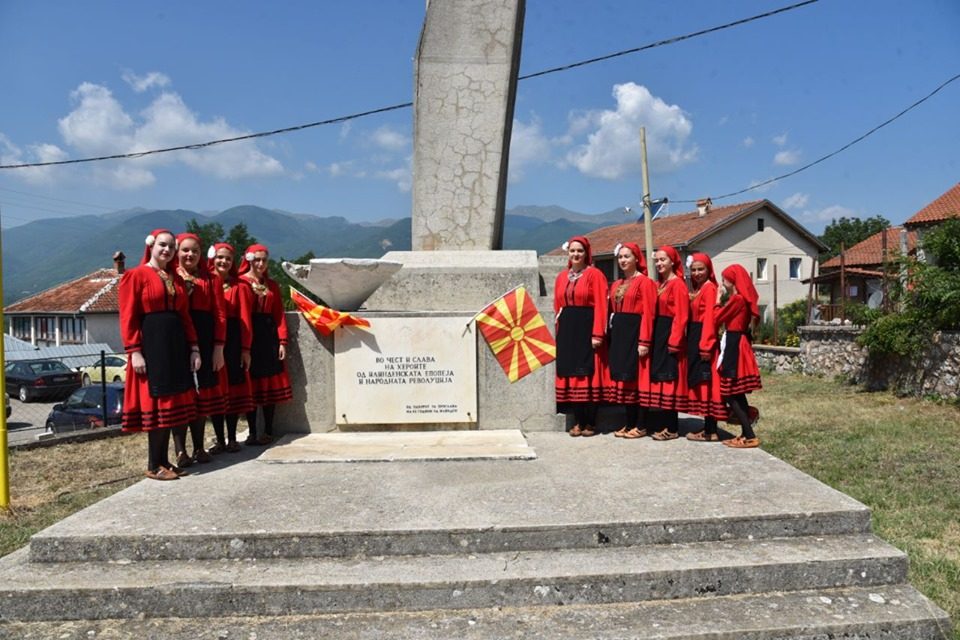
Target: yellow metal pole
{"x": 4, "y": 463}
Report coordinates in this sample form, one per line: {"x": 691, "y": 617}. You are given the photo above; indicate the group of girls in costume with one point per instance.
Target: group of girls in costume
{"x": 198, "y": 346}
{"x": 655, "y": 347}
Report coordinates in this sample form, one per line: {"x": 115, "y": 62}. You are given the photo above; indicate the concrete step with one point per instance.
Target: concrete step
{"x": 578, "y": 493}
{"x": 206, "y": 588}
{"x": 57, "y": 545}
{"x": 884, "y": 612}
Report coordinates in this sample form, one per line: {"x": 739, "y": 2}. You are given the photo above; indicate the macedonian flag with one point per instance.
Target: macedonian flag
{"x": 324, "y": 319}
{"x": 517, "y": 334}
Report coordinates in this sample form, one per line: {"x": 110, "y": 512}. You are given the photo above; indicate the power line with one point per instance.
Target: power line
{"x": 405, "y": 105}
{"x": 832, "y": 153}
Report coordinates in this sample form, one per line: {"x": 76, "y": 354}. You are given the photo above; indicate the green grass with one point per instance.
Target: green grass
{"x": 899, "y": 456}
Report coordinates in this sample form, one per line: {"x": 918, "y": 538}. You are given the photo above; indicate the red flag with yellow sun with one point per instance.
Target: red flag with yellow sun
{"x": 324, "y": 319}
{"x": 517, "y": 334}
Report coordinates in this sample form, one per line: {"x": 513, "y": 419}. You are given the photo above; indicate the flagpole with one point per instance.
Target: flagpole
{"x": 502, "y": 295}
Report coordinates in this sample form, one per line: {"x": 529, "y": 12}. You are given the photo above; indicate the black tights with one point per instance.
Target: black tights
{"x": 636, "y": 416}
{"x": 267, "y": 420}
{"x": 662, "y": 419}
{"x": 158, "y": 443}
{"x": 231, "y": 420}
{"x": 196, "y": 436}
{"x": 739, "y": 407}
{"x": 709, "y": 424}
{"x": 585, "y": 414}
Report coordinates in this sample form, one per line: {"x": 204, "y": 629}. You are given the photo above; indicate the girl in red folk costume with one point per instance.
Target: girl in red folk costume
{"x": 667, "y": 392}
{"x": 739, "y": 374}
{"x": 580, "y": 305}
{"x": 159, "y": 338}
{"x": 205, "y": 299}
{"x": 268, "y": 348}
{"x": 702, "y": 375}
{"x": 238, "y": 302}
{"x": 632, "y": 303}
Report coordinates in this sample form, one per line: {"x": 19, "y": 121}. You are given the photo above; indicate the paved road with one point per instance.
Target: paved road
{"x": 27, "y": 420}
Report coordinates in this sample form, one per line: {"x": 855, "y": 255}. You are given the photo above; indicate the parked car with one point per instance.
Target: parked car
{"x": 115, "y": 369}
{"x": 33, "y": 379}
{"x": 8, "y": 404}
{"x": 84, "y": 409}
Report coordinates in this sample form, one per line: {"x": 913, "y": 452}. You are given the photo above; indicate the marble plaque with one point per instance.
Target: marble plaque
{"x": 407, "y": 370}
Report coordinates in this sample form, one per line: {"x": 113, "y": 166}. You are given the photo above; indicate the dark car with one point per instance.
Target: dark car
{"x": 84, "y": 409}
{"x": 8, "y": 404}
{"x": 34, "y": 379}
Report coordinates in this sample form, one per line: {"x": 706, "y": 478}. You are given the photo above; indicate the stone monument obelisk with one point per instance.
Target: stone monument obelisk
{"x": 465, "y": 85}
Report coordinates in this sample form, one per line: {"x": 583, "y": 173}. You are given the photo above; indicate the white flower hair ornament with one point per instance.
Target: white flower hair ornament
{"x": 149, "y": 240}
{"x": 211, "y": 253}
{"x": 249, "y": 256}
{"x": 689, "y": 261}
{"x": 565, "y": 246}
{"x": 616, "y": 249}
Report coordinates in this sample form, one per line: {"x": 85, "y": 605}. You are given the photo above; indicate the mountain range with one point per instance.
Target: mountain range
{"x": 41, "y": 254}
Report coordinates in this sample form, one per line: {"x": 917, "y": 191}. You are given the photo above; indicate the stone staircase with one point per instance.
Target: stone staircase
{"x": 594, "y": 539}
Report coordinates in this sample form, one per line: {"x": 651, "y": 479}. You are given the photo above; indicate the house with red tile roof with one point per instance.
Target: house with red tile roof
{"x": 943, "y": 208}
{"x": 776, "y": 249}
{"x": 82, "y": 311}
{"x": 863, "y": 266}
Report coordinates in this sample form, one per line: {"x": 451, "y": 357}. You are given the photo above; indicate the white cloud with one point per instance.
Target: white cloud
{"x": 142, "y": 83}
{"x": 311, "y": 167}
{"x": 796, "y": 201}
{"x": 401, "y": 176}
{"x": 780, "y": 140}
{"x": 761, "y": 189}
{"x": 344, "y": 169}
{"x": 99, "y": 125}
{"x": 528, "y": 146}
{"x": 612, "y": 149}
{"x": 389, "y": 140}
{"x": 748, "y": 142}
{"x": 828, "y": 213}
{"x": 12, "y": 154}
{"x": 787, "y": 157}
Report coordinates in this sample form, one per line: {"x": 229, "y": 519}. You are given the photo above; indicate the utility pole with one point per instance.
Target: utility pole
{"x": 4, "y": 461}
{"x": 647, "y": 216}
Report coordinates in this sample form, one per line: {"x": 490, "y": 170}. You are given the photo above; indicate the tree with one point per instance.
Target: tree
{"x": 848, "y": 232}
{"x": 209, "y": 233}
{"x": 239, "y": 238}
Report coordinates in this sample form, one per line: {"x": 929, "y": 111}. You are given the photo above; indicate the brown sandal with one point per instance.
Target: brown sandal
{"x": 700, "y": 436}
{"x": 575, "y": 431}
{"x": 183, "y": 460}
{"x": 635, "y": 433}
{"x": 233, "y": 447}
{"x": 216, "y": 449}
{"x": 162, "y": 473}
{"x": 201, "y": 457}
{"x": 742, "y": 443}
{"x": 587, "y": 432}
{"x": 621, "y": 432}
{"x": 664, "y": 435}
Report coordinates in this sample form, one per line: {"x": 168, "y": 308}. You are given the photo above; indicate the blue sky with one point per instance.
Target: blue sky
{"x": 723, "y": 111}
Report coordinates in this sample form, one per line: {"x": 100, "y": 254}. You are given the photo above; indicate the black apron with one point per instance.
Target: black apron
{"x": 203, "y": 325}
{"x": 264, "y": 351}
{"x": 167, "y": 354}
{"x": 624, "y": 339}
{"x": 698, "y": 371}
{"x": 731, "y": 354}
{"x": 663, "y": 364}
{"x": 574, "y": 344}
{"x": 232, "y": 350}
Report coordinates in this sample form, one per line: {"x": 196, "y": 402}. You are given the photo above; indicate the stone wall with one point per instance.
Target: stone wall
{"x": 833, "y": 351}
{"x": 778, "y": 359}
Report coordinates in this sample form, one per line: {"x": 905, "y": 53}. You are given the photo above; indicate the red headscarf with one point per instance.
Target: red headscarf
{"x": 705, "y": 259}
{"x": 187, "y": 236}
{"x": 741, "y": 280}
{"x": 638, "y": 254}
{"x": 588, "y": 257}
{"x": 674, "y": 259}
{"x": 248, "y": 257}
{"x": 152, "y": 238}
{"x": 212, "y": 253}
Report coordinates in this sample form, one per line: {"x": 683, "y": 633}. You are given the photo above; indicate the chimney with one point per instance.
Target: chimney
{"x": 118, "y": 259}
{"x": 703, "y": 206}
